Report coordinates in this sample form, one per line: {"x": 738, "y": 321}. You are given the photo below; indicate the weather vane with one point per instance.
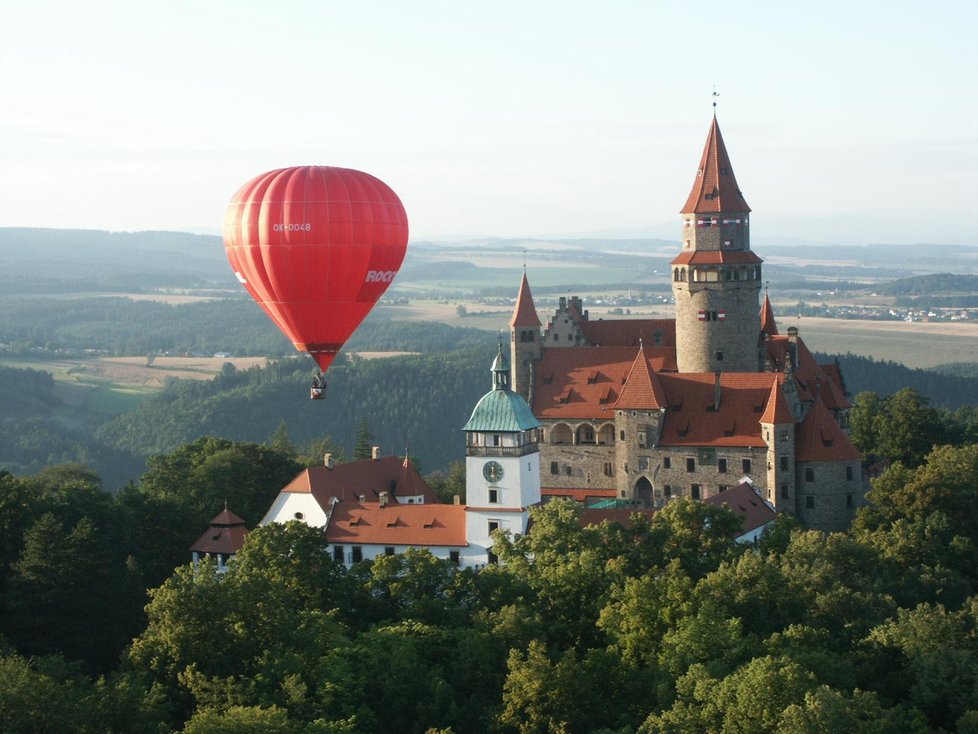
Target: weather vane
{"x": 715, "y": 95}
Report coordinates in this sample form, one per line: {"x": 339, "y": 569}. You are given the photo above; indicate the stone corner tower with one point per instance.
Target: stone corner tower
{"x": 525, "y": 346}
{"x": 716, "y": 279}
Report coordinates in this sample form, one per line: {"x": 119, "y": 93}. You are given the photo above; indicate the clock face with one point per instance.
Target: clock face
{"x": 492, "y": 471}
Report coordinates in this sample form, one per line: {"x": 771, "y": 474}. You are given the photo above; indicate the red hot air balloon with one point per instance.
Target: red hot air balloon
{"x": 316, "y": 247}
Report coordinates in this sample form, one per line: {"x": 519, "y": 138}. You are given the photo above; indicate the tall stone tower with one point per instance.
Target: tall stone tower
{"x": 716, "y": 279}
{"x": 525, "y": 347}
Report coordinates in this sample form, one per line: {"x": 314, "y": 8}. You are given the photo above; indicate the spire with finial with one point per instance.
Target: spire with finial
{"x": 768, "y": 325}
{"x": 715, "y": 188}
{"x": 525, "y": 313}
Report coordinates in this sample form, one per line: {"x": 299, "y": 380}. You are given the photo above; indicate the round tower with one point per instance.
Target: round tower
{"x": 716, "y": 279}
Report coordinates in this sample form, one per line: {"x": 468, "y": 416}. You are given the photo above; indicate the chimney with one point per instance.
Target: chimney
{"x": 383, "y": 499}
{"x": 793, "y": 345}
{"x": 716, "y": 391}
{"x": 328, "y": 461}
{"x": 456, "y": 500}
{"x": 375, "y": 452}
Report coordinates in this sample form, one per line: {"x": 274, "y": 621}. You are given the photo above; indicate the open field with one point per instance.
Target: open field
{"x": 130, "y": 373}
{"x": 914, "y": 344}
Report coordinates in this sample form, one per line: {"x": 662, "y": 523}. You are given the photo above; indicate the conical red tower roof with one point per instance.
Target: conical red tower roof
{"x": 777, "y": 410}
{"x": 715, "y": 188}
{"x": 642, "y": 389}
{"x": 768, "y": 326}
{"x": 525, "y": 313}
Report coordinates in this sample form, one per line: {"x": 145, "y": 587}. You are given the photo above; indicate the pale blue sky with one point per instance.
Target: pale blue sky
{"x": 845, "y": 121}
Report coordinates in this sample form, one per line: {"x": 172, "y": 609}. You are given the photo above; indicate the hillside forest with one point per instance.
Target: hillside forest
{"x": 660, "y": 625}
{"x": 665, "y": 625}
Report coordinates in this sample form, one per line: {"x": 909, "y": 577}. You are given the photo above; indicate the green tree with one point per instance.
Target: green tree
{"x": 925, "y": 522}
{"x": 363, "y": 448}
{"x": 280, "y": 440}
{"x": 932, "y": 660}
{"x": 449, "y": 483}
{"x": 70, "y": 594}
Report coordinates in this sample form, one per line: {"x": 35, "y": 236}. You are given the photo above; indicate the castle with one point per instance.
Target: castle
{"x": 639, "y": 411}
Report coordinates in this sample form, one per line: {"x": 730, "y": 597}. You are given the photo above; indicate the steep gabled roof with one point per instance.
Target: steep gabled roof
{"x": 746, "y": 504}
{"x": 715, "y": 188}
{"x": 225, "y": 535}
{"x": 642, "y": 389}
{"x": 819, "y": 437}
{"x": 347, "y": 482}
{"x": 777, "y": 411}
{"x": 366, "y": 523}
{"x": 690, "y": 416}
{"x": 768, "y": 324}
{"x": 525, "y": 313}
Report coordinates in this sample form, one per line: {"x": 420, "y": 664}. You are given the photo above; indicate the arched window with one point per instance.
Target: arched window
{"x": 606, "y": 435}
{"x": 585, "y": 433}
{"x": 561, "y": 434}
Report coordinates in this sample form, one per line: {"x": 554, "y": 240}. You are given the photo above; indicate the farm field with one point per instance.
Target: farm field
{"x": 915, "y": 344}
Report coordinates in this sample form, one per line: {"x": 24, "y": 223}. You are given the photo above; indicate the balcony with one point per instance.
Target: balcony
{"x": 523, "y": 450}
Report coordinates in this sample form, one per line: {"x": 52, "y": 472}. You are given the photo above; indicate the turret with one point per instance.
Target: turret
{"x": 716, "y": 277}
{"x": 778, "y": 431}
{"x": 525, "y": 347}
{"x": 640, "y": 412}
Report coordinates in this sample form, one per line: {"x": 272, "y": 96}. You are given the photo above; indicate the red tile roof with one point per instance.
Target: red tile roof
{"x": 746, "y": 503}
{"x": 777, "y": 411}
{"x": 819, "y": 437}
{"x": 715, "y": 188}
{"x": 628, "y": 332}
{"x": 768, "y": 324}
{"x": 226, "y": 535}
{"x": 716, "y": 257}
{"x": 415, "y": 525}
{"x": 347, "y": 482}
{"x": 525, "y": 314}
{"x": 642, "y": 388}
{"x": 691, "y": 421}
{"x": 585, "y": 382}
{"x": 811, "y": 378}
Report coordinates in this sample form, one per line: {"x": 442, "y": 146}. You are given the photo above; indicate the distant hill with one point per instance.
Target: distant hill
{"x": 932, "y": 284}
{"x": 97, "y": 260}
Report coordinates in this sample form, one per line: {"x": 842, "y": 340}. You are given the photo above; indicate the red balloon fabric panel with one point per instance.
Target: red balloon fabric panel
{"x": 316, "y": 247}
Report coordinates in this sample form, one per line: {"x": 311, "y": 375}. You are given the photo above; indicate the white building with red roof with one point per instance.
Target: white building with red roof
{"x": 645, "y": 410}
{"x": 383, "y": 506}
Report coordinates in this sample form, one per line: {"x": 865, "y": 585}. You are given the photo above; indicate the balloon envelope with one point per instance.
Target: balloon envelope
{"x": 316, "y": 247}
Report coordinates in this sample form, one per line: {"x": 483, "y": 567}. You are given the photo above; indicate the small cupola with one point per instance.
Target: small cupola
{"x": 500, "y": 370}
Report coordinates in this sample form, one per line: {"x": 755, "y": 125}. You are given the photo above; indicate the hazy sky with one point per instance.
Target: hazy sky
{"x": 845, "y": 121}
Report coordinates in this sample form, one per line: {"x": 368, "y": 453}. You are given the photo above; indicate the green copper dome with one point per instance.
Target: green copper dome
{"x": 501, "y": 409}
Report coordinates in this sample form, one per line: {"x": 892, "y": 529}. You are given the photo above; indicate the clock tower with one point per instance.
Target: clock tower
{"x": 502, "y": 461}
